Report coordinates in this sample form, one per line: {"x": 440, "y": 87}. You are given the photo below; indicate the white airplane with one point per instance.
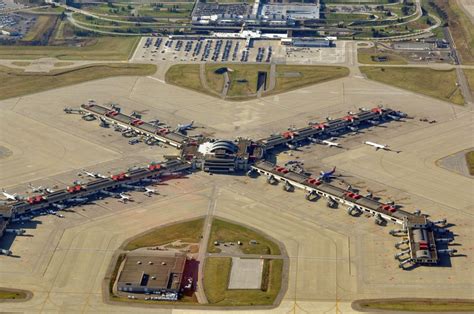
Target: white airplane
{"x": 331, "y": 144}
{"x": 150, "y": 191}
{"x": 377, "y": 146}
{"x": 40, "y": 189}
{"x": 94, "y": 174}
{"x": 124, "y": 198}
{"x": 185, "y": 127}
{"x": 292, "y": 146}
{"x": 12, "y": 197}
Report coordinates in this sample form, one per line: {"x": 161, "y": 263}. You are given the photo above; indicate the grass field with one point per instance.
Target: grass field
{"x": 16, "y": 82}
{"x": 365, "y": 55}
{"x": 244, "y": 78}
{"x": 189, "y": 231}
{"x": 100, "y": 48}
{"x": 228, "y": 232}
{"x": 167, "y": 10}
{"x": 187, "y": 76}
{"x": 335, "y": 17}
{"x": 440, "y": 84}
{"x": 63, "y": 64}
{"x": 6, "y": 294}
{"x": 216, "y": 281}
{"x": 470, "y": 162}
{"x": 422, "y": 305}
{"x": 21, "y": 63}
{"x": 461, "y": 29}
{"x": 308, "y": 75}
{"x": 113, "y": 9}
{"x": 469, "y": 73}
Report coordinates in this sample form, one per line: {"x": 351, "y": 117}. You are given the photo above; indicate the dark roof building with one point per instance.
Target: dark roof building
{"x": 158, "y": 273}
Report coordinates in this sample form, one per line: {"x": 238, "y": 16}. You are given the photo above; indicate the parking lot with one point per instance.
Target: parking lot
{"x": 16, "y": 24}
{"x": 164, "y": 49}
{"x": 6, "y": 5}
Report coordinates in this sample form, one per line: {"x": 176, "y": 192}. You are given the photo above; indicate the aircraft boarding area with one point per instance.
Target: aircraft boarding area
{"x": 113, "y": 115}
{"x": 79, "y": 190}
{"x": 228, "y": 156}
{"x": 420, "y": 231}
{"x": 351, "y": 122}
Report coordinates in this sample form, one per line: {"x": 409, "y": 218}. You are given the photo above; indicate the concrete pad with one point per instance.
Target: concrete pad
{"x": 246, "y": 273}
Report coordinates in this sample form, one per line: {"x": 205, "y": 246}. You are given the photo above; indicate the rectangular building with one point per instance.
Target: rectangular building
{"x": 158, "y": 273}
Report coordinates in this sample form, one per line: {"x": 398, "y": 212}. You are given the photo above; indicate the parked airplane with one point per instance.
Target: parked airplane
{"x": 377, "y": 146}
{"x": 124, "y": 198}
{"x": 40, "y": 189}
{"x": 184, "y": 127}
{"x": 11, "y": 197}
{"x": 331, "y": 144}
{"x": 94, "y": 174}
{"x": 149, "y": 192}
{"x": 328, "y": 175}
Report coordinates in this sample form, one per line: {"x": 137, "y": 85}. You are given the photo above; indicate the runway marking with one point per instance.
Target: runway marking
{"x": 156, "y": 79}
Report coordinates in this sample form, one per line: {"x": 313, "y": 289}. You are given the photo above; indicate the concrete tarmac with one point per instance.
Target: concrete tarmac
{"x": 334, "y": 258}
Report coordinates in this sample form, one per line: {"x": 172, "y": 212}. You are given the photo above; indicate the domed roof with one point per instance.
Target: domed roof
{"x": 226, "y": 145}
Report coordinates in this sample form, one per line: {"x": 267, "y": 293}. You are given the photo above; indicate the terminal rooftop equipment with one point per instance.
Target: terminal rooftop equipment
{"x": 422, "y": 240}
